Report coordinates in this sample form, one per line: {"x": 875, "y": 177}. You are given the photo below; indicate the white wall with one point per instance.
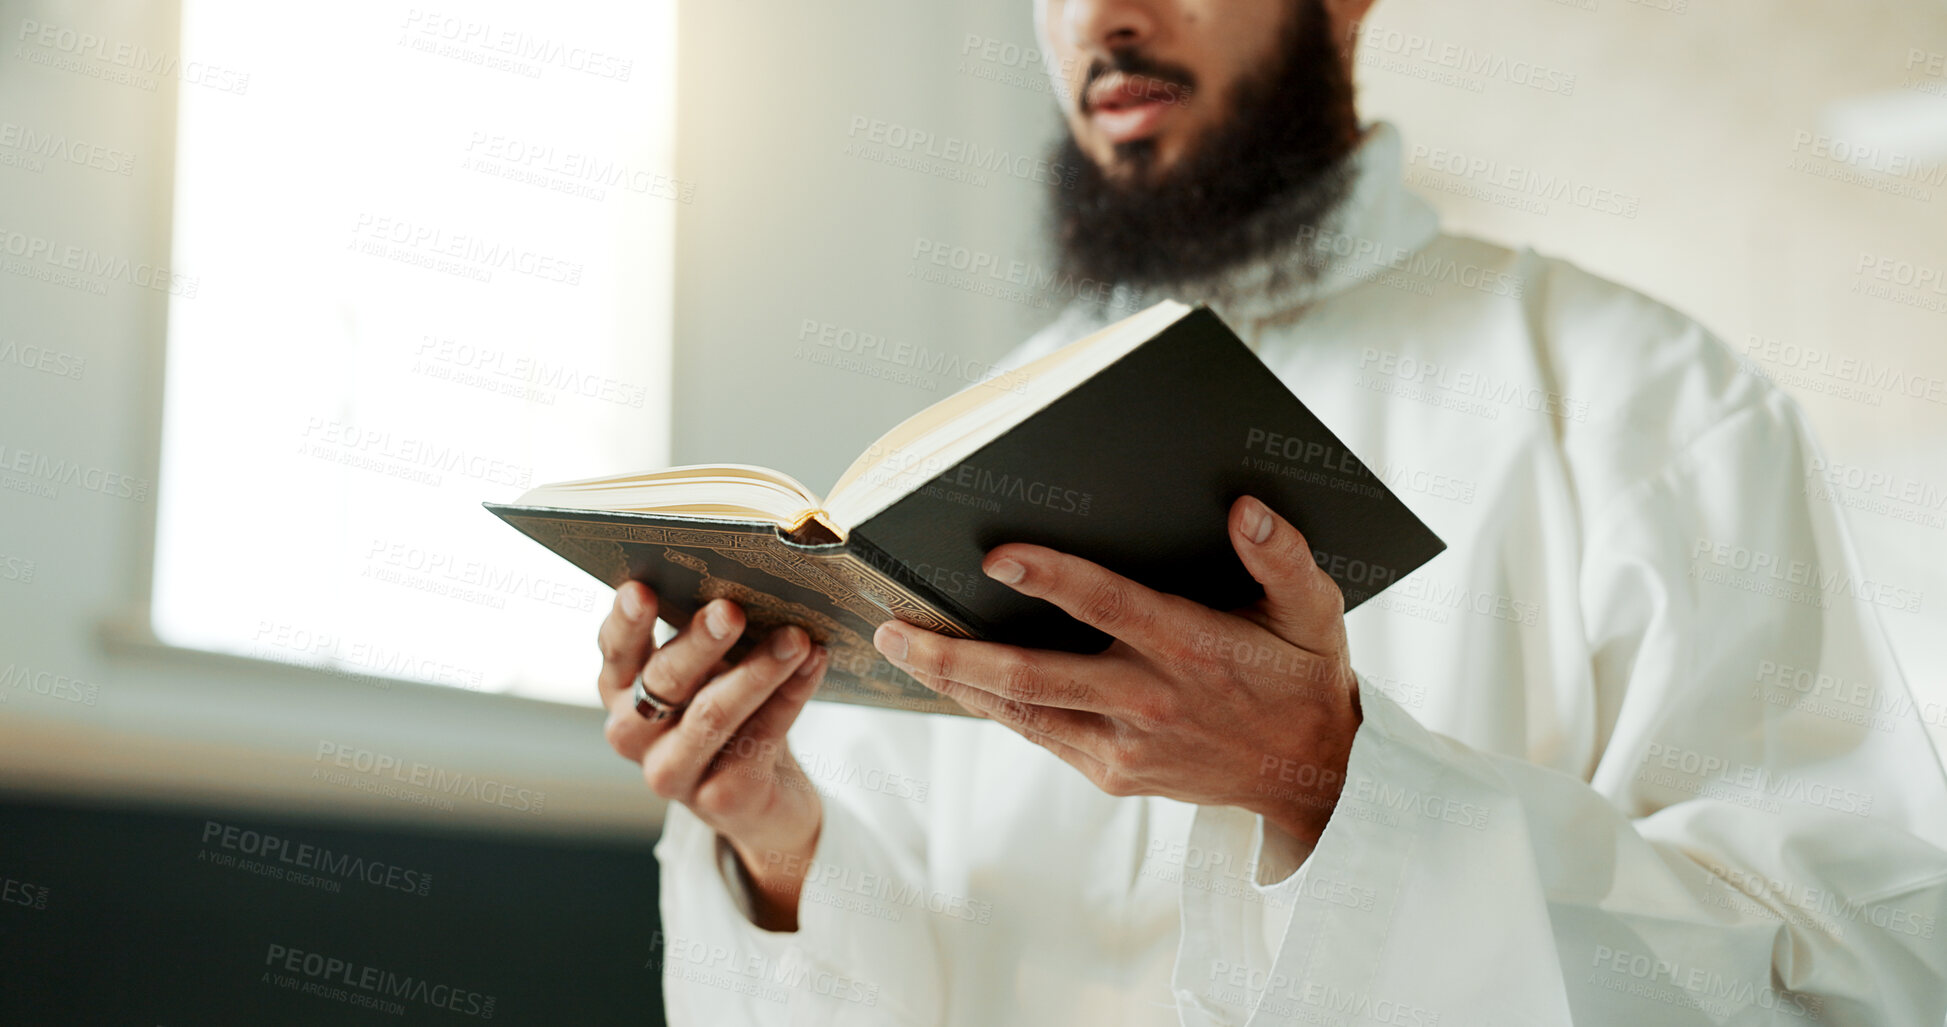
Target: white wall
{"x": 789, "y": 227}
{"x": 1691, "y": 113}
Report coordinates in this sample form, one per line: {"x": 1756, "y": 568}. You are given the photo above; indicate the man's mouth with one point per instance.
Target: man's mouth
{"x": 1125, "y": 107}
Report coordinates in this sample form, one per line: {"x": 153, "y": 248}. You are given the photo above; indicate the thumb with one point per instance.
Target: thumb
{"x": 1301, "y": 604}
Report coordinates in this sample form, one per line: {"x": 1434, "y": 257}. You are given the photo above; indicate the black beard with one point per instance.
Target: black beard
{"x": 1275, "y": 166}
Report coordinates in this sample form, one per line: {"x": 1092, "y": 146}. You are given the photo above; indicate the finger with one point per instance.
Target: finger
{"x": 1070, "y": 727}
{"x": 630, "y": 733}
{"x": 627, "y": 637}
{"x": 676, "y": 761}
{"x": 673, "y": 673}
{"x": 1092, "y": 594}
{"x": 781, "y": 710}
{"x": 680, "y": 667}
{"x": 1301, "y": 604}
{"x": 1034, "y": 676}
{"x": 765, "y": 732}
{"x": 1093, "y": 769}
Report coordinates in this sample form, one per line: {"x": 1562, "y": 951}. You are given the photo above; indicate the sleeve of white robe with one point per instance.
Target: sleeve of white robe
{"x": 858, "y": 956}
{"x": 1738, "y": 855}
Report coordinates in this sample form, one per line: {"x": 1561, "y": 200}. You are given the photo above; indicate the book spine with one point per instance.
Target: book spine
{"x": 896, "y": 574}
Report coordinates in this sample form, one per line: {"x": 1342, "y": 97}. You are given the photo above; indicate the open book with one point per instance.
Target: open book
{"x": 1126, "y": 447}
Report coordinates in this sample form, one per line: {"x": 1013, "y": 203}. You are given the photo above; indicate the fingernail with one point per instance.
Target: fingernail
{"x": 1257, "y": 520}
{"x": 785, "y": 644}
{"x": 890, "y": 641}
{"x": 1006, "y": 571}
{"x": 631, "y": 603}
{"x": 804, "y": 680}
{"x": 717, "y": 621}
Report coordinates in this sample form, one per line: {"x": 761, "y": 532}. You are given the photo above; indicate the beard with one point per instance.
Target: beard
{"x": 1274, "y": 166}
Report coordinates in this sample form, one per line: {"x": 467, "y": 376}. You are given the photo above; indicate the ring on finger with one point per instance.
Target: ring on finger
{"x": 653, "y": 707}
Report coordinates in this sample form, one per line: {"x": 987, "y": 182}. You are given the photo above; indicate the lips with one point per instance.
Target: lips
{"x": 1126, "y": 107}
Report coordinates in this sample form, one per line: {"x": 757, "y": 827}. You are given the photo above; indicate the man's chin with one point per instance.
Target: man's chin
{"x": 1139, "y": 164}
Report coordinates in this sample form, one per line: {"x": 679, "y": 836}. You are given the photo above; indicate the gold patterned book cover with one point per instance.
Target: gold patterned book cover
{"x": 1127, "y": 448}
{"x": 687, "y": 561}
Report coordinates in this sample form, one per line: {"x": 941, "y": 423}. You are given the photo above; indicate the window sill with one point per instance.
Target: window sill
{"x": 187, "y": 727}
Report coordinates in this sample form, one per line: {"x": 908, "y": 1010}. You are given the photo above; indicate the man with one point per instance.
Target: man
{"x": 1632, "y": 751}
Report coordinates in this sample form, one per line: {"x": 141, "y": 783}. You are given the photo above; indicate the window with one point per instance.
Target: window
{"x": 433, "y": 263}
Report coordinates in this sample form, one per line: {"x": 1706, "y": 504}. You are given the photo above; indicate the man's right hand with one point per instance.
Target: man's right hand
{"x": 724, "y": 756}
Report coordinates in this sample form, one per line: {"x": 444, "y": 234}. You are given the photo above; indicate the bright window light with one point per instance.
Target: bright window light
{"x": 433, "y": 251}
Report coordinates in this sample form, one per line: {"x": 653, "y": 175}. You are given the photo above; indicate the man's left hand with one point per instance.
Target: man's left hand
{"x": 1254, "y": 708}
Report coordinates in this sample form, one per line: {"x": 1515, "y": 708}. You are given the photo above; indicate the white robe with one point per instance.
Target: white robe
{"x": 1635, "y": 750}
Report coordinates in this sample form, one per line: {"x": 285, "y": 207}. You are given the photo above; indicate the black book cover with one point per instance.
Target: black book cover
{"x": 1136, "y": 470}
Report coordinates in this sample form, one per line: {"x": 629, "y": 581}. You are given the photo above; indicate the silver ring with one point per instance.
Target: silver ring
{"x": 653, "y": 707}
